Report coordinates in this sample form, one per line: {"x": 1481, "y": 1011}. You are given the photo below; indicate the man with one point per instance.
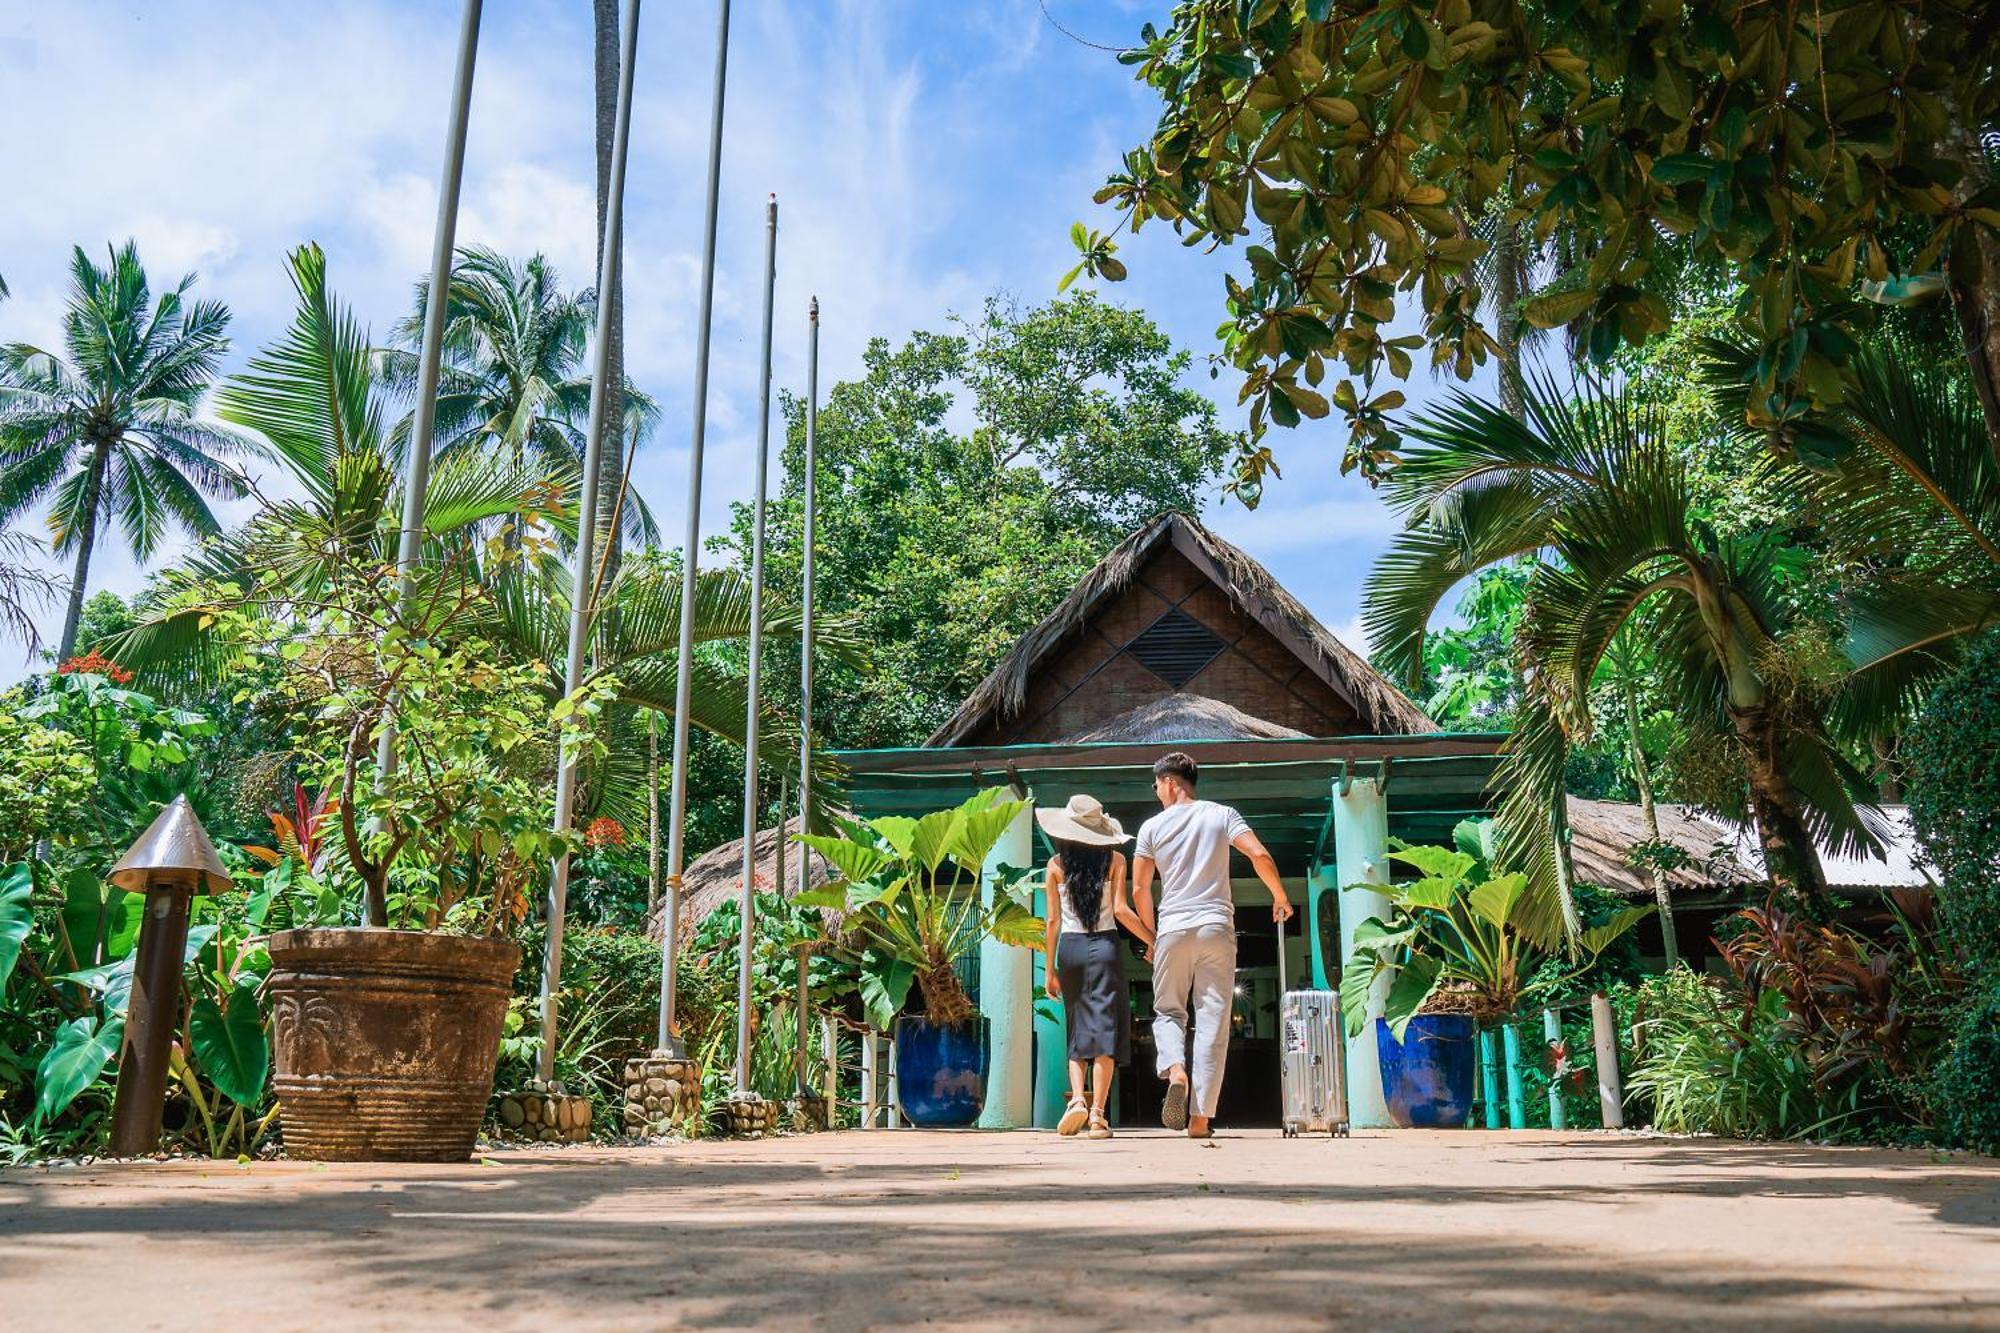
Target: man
{"x": 1194, "y": 950}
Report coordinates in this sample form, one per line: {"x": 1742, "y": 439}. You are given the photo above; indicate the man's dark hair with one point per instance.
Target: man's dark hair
{"x": 1176, "y": 765}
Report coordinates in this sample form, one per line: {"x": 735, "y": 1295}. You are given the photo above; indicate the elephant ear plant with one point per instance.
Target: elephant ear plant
{"x": 1466, "y": 930}
{"x": 910, "y": 891}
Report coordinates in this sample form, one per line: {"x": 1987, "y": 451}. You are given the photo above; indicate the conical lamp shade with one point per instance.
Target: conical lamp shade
{"x": 174, "y": 843}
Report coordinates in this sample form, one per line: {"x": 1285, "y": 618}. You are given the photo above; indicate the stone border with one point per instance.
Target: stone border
{"x": 544, "y": 1113}
{"x": 662, "y": 1096}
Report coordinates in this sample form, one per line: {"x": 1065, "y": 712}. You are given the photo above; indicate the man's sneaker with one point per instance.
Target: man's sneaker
{"x": 1173, "y": 1111}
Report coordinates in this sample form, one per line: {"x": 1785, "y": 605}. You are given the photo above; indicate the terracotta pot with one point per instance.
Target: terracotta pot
{"x": 385, "y": 1041}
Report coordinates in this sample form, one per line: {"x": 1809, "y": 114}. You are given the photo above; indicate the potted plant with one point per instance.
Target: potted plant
{"x": 910, "y": 892}
{"x": 1462, "y": 942}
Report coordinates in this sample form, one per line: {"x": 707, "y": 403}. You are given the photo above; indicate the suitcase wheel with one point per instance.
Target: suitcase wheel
{"x": 1340, "y": 1130}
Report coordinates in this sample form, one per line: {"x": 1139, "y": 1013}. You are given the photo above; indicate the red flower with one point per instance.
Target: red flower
{"x": 94, "y": 663}
{"x": 604, "y": 831}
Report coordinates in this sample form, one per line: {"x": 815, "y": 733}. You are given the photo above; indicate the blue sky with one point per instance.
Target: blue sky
{"x": 924, "y": 154}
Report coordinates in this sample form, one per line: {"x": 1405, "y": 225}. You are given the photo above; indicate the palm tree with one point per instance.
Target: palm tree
{"x": 317, "y": 399}
{"x": 111, "y": 431}
{"x": 514, "y": 343}
{"x": 1591, "y": 483}
{"x": 23, "y": 589}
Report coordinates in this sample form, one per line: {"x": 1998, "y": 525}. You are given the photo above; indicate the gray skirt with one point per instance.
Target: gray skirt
{"x": 1091, "y": 969}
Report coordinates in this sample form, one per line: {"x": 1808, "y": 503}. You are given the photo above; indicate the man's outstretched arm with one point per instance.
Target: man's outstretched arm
{"x": 1253, "y": 847}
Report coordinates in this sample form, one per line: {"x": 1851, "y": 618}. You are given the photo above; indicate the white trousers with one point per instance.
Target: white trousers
{"x": 1195, "y": 969}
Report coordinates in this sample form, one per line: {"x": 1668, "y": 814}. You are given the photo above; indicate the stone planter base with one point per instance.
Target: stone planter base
{"x": 749, "y": 1117}
{"x": 805, "y": 1115}
{"x": 662, "y": 1096}
{"x": 543, "y": 1113}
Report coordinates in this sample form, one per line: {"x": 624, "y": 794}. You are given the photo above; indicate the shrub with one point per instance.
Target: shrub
{"x": 1965, "y": 1086}
{"x": 1954, "y": 793}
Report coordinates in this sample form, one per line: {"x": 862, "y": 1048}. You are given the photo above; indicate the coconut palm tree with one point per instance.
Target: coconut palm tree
{"x": 317, "y": 399}
{"x": 1590, "y": 482}
{"x": 108, "y": 430}
{"x": 514, "y": 344}
{"x": 24, "y": 589}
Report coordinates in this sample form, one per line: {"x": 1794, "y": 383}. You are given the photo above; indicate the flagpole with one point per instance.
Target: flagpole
{"x": 691, "y": 553}
{"x": 606, "y": 402}
{"x": 748, "y": 914}
{"x": 806, "y": 595}
{"x": 430, "y": 358}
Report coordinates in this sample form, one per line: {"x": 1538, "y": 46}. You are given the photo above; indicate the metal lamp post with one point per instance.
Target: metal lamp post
{"x": 171, "y": 862}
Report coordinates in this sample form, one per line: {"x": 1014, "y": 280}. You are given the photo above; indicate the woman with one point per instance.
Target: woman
{"x": 1087, "y": 899}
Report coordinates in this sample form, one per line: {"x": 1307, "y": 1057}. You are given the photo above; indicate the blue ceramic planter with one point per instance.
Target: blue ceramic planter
{"x": 1427, "y": 1076}
{"x": 940, "y": 1071}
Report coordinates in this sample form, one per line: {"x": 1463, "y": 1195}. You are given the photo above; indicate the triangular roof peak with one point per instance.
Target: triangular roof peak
{"x": 1378, "y": 707}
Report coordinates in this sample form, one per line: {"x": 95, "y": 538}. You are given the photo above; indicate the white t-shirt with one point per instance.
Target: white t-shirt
{"x": 1189, "y": 845}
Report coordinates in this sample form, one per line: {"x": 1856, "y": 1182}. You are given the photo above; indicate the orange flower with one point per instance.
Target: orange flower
{"x": 604, "y": 831}
{"x": 94, "y": 663}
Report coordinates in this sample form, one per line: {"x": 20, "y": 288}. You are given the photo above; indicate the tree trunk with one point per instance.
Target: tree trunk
{"x": 1790, "y": 858}
{"x": 652, "y": 811}
{"x": 611, "y": 463}
{"x": 1642, "y": 774}
{"x": 86, "y": 540}
{"x": 1973, "y": 276}
{"x": 1507, "y": 316}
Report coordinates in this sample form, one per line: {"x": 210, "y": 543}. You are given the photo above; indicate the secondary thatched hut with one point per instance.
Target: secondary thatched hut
{"x": 716, "y": 876}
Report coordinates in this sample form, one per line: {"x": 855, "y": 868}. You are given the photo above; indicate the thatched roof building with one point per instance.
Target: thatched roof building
{"x": 716, "y": 876}
{"x": 1174, "y": 608}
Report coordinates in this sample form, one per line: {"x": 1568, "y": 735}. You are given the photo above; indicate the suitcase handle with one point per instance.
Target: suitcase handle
{"x": 1281, "y": 963}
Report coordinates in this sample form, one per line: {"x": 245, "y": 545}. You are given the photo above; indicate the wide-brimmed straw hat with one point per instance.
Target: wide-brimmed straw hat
{"x": 1082, "y": 820}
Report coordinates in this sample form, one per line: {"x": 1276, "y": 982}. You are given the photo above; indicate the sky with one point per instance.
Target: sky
{"x": 924, "y": 155}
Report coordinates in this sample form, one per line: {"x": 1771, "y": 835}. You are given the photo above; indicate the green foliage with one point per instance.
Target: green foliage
{"x": 1468, "y": 932}
{"x": 910, "y": 889}
{"x": 1350, "y": 141}
{"x": 1965, "y": 1088}
{"x": 45, "y": 775}
{"x": 944, "y": 544}
{"x": 108, "y": 427}
{"x": 1954, "y": 793}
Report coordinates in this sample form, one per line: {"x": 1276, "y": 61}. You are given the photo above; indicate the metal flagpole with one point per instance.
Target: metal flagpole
{"x": 417, "y": 470}
{"x": 606, "y": 404}
{"x": 691, "y": 551}
{"x": 806, "y": 598}
{"x": 748, "y": 914}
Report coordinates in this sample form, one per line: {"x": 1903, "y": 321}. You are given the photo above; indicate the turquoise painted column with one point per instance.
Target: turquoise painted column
{"x": 1051, "y": 1040}
{"x": 1489, "y": 1076}
{"x": 1323, "y": 969}
{"x": 1006, "y": 999}
{"x": 1517, "y": 1100}
{"x": 1361, "y": 856}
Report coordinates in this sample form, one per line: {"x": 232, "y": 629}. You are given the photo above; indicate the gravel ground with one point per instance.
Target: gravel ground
{"x": 849, "y": 1231}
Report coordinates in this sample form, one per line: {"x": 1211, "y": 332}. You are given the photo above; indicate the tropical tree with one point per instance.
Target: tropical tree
{"x": 1825, "y": 156}
{"x": 1591, "y": 483}
{"x": 514, "y": 343}
{"x": 315, "y": 397}
{"x": 108, "y": 429}
{"x": 24, "y": 589}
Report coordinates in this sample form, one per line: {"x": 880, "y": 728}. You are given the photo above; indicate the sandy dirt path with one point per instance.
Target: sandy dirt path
{"x": 852, "y": 1231}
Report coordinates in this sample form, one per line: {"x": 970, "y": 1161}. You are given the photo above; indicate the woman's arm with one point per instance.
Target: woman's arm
{"x": 1121, "y": 908}
{"x": 1052, "y": 924}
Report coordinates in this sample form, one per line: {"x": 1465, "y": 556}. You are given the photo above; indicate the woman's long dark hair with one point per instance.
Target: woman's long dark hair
{"x": 1085, "y": 869}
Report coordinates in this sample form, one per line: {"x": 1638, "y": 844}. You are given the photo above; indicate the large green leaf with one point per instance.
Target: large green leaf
{"x": 17, "y": 890}
{"x": 855, "y": 861}
{"x": 230, "y": 1046}
{"x": 885, "y": 985}
{"x": 112, "y": 982}
{"x": 982, "y": 826}
{"x": 83, "y": 1046}
{"x": 1493, "y": 901}
{"x": 1433, "y": 893}
{"x": 899, "y": 831}
{"x": 1356, "y": 980}
{"x": 1435, "y": 862}
{"x": 933, "y": 838}
{"x": 1408, "y": 992}
{"x": 1597, "y": 939}
{"x": 1016, "y": 925}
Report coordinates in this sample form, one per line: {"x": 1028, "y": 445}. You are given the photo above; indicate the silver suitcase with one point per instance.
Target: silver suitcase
{"x": 1313, "y": 1092}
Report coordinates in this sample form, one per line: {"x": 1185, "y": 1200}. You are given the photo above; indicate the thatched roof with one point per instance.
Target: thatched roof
{"x": 1723, "y": 855}
{"x": 716, "y": 877}
{"x": 1183, "y": 717}
{"x": 1603, "y": 832}
{"x": 1382, "y": 708}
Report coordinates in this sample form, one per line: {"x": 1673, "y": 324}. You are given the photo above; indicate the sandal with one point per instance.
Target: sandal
{"x": 1100, "y": 1128}
{"x": 1174, "y": 1110}
{"x": 1073, "y": 1119}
